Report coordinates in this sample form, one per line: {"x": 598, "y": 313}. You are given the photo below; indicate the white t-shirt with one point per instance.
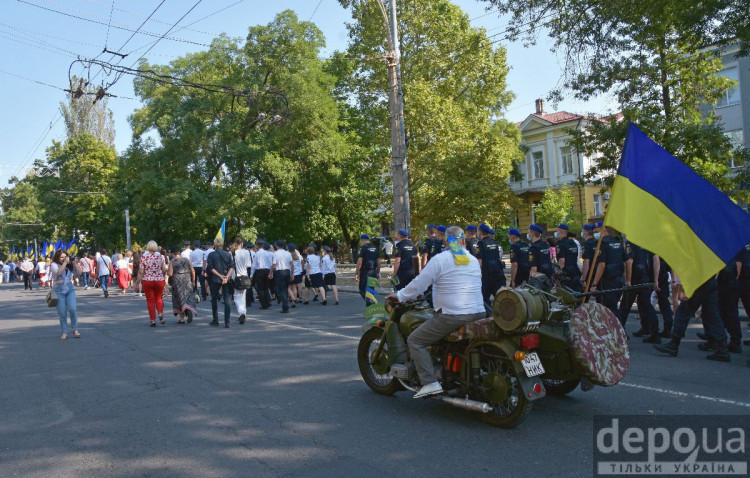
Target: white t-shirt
{"x": 329, "y": 265}
{"x": 196, "y": 258}
{"x": 313, "y": 262}
{"x": 208, "y": 251}
{"x": 282, "y": 260}
{"x": 41, "y": 267}
{"x": 122, "y": 264}
{"x": 455, "y": 289}
{"x": 297, "y": 266}
{"x": 102, "y": 265}
{"x": 241, "y": 262}
{"x": 186, "y": 253}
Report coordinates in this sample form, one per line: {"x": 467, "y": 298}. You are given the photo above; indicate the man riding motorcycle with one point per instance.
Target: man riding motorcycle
{"x": 456, "y": 280}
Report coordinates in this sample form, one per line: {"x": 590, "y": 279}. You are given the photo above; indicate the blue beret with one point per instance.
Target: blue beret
{"x": 588, "y": 227}
{"x": 484, "y": 228}
{"x": 599, "y": 224}
{"x": 563, "y": 227}
{"x": 515, "y": 232}
{"x": 430, "y": 226}
{"x": 536, "y": 228}
{"x": 441, "y": 228}
{"x": 491, "y": 231}
{"x": 364, "y": 236}
{"x": 471, "y": 227}
{"x": 403, "y": 232}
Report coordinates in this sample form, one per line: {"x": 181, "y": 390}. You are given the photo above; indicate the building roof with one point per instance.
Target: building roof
{"x": 558, "y": 117}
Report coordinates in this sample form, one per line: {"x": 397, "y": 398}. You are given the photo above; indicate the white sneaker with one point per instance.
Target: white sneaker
{"x": 429, "y": 390}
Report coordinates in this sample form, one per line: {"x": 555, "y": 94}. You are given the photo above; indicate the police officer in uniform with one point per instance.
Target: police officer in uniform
{"x": 403, "y": 265}
{"x": 660, "y": 277}
{"x": 567, "y": 257}
{"x": 491, "y": 263}
{"x": 368, "y": 265}
{"x": 440, "y": 237}
{"x": 519, "y": 258}
{"x": 472, "y": 243}
{"x": 431, "y": 246}
{"x": 638, "y": 261}
{"x": 588, "y": 247}
{"x": 728, "y": 282}
{"x": 609, "y": 270}
{"x": 539, "y": 257}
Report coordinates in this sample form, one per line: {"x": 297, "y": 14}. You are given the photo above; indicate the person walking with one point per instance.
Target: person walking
{"x": 104, "y": 268}
{"x": 27, "y": 267}
{"x": 41, "y": 269}
{"x": 151, "y": 277}
{"x": 196, "y": 260}
{"x": 368, "y": 265}
{"x": 243, "y": 263}
{"x": 181, "y": 277}
{"x": 137, "y": 289}
{"x": 63, "y": 272}
{"x": 295, "y": 286}
{"x": 209, "y": 249}
{"x": 219, "y": 267}
{"x": 315, "y": 273}
{"x": 490, "y": 257}
{"x": 403, "y": 263}
{"x": 329, "y": 272}
{"x": 123, "y": 273}
{"x": 260, "y": 269}
{"x": 85, "y": 263}
{"x": 539, "y": 254}
{"x": 6, "y": 273}
{"x": 281, "y": 271}
{"x": 388, "y": 249}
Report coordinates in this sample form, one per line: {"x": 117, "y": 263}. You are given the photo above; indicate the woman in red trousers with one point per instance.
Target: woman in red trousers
{"x": 151, "y": 276}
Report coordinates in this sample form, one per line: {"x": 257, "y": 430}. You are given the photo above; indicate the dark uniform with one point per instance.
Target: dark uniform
{"x": 612, "y": 254}
{"x": 472, "y": 245}
{"x": 493, "y": 275}
{"x": 567, "y": 249}
{"x": 642, "y": 263}
{"x": 405, "y": 251}
{"x": 519, "y": 253}
{"x": 369, "y": 254}
{"x": 662, "y": 296}
{"x": 432, "y": 246}
{"x": 745, "y": 278}
{"x": 729, "y": 298}
{"x": 539, "y": 257}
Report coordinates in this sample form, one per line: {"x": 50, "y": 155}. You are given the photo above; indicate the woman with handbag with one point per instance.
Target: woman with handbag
{"x": 151, "y": 276}
{"x": 181, "y": 276}
{"x": 63, "y": 271}
{"x": 242, "y": 282}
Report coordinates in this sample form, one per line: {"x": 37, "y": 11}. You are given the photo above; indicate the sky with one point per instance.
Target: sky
{"x": 41, "y": 39}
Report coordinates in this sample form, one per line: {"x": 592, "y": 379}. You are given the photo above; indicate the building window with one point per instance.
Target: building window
{"x": 533, "y": 212}
{"x": 737, "y": 138}
{"x": 597, "y": 205}
{"x": 732, "y": 95}
{"x": 566, "y": 155}
{"x": 537, "y": 159}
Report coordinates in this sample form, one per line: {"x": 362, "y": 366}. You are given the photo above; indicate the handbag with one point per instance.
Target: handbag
{"x": 242, "y": 282}
{"x": 51, "y": 298}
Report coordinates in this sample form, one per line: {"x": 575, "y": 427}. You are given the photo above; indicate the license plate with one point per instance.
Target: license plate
{"x": 532, "y": 365}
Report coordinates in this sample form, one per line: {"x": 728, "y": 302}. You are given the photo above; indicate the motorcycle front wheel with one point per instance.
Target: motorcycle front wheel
{"x": 375, "y": 373}
{"x": 503, "y": 390}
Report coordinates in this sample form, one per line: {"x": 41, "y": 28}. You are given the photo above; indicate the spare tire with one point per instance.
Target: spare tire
{"x": 599, "y": 344}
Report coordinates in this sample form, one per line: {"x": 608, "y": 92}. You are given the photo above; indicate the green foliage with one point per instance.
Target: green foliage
{"x": 83, "y": 115}
{"x": 650, "y": 56}
{"x": 556, "y": 206}
{"x": 459, "y": 150}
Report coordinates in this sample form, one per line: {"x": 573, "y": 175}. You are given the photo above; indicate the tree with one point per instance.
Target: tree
{"x": 556, "y": 206}
{"x": 460, "y": 150}
{"x": 22, "y": 214}
{"x": 651, "y": 57}
{"x": 83, "y": 114}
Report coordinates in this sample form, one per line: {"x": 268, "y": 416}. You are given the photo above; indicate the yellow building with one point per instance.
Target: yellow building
{"x": 550, "y": 161}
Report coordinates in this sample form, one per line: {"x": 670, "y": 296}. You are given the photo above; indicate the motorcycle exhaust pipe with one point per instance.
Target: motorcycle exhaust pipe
{"x": 472, "y": 405}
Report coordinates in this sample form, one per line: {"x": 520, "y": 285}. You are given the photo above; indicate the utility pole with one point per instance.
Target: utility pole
{"x": 401, "y": 208}
{"x": 127, "y": 229}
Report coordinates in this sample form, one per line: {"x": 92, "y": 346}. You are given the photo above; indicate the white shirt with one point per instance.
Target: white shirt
{"x": 196, "y": 258}
{"x": 388, "y": 247}
{"x": 102, "y": 265}
{"x": 457, "y": 290}
{"x": 297, "y": 265}
{"x": 313, "y": 262}
{"x": 122, "y": 264}
{"x": 241, "y": 261}
{"x": 263, "y": 259}
{"x": 282, "y": 260}
{"x": 208, "y": 251}
{"x": 41, "y": 267}
{"x": 329, "y": 265}
{"x": 186, "y": 253}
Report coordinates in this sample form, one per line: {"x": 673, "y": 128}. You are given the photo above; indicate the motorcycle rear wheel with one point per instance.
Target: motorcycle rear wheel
{"x": 560, "y": 388}
{"x": 380, "y": 383}
{"x": 512, "y": 410}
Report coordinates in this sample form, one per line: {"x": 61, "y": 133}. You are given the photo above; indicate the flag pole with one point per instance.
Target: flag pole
{"x": 592, "y": 265}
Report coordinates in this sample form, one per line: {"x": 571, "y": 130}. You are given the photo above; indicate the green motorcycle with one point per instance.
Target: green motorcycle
{"x": 532, "y": 344}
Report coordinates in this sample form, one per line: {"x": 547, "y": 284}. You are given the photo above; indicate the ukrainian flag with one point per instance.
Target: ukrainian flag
{"x": 665, "y": 207}
{"x": 222, "y": 231}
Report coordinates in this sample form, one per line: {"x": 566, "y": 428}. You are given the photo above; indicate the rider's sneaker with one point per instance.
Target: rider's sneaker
{"x": 429, "y": 390}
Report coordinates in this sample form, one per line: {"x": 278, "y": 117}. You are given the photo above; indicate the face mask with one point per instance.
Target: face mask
{"x": 557, "y": 236}
{"x": 528, "y": 236}
{"x": 597, "y": 235}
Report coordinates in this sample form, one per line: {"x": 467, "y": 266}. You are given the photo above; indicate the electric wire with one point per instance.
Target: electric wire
{"x": 154, "y": 20}
{"x": 316, "y": 10}
{"x": 109, "y": 24}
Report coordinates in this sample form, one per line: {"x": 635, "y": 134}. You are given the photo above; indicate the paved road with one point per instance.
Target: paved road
{"x": 282, "y": 396}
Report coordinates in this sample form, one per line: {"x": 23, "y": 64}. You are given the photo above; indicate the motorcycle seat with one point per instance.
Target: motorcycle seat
{"x": 484, "y": 329}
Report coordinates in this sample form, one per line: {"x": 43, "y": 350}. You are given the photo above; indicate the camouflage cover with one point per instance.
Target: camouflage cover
{"x": 599, "y": 345}
{"x": 479, "y": 329}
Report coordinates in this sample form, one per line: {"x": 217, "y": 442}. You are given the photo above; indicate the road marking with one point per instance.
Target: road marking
{"x": 675, "y": 393}
{"x": 687, "y": 395}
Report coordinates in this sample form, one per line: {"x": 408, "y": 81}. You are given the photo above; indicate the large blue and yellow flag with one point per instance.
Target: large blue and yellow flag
{"x": 665, "y": 207}
{"x": 222, "y": 231}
